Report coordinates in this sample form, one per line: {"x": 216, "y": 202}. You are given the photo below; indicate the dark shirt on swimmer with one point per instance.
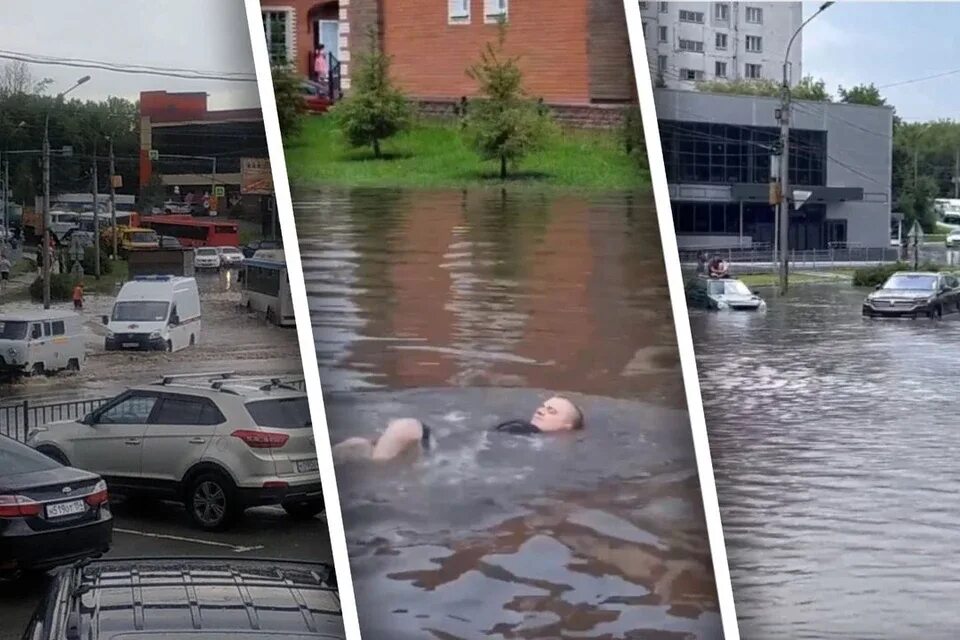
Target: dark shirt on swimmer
{"x": 518, "y": 427}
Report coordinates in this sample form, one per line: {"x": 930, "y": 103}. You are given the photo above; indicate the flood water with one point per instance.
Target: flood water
{"x": 834, "y": 440}
{"x": 465, "y": 309}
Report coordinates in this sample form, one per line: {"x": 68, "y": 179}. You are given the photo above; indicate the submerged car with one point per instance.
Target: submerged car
{"x": 910, "y": 294}
{"x": 723, "y": 294}
{"x": 50, "y": 514}
{"x": 190, "y": 599}
{"x": 953, "y": 239}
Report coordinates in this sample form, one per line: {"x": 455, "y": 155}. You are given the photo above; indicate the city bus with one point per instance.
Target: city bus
{"x": 194, "y": 232}
{"x": 266, "y": 288}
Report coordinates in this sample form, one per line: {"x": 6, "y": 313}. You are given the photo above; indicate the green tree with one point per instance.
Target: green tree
{"x": 505, "y": 124}
{"x": 375, "y": 110}
{"x": 290, "y": 105}
{"x": 807, "y": 89}
{"x": 916, "y": 203}
{"x": 810, "y": 89}
{"x": 862, "y": 94}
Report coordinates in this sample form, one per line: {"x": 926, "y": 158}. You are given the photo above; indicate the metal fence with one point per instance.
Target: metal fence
{"x": 814, "y": 257}
{"x": 16, "y": 420}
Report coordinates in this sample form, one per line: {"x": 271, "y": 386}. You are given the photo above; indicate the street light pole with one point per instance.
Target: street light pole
{"x": 784, "y": 211}
{"x": 46, "y": 195}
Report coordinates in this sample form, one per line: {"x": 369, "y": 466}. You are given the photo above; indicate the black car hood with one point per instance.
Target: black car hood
{"x": 901, "y": 294}
{"x": 60, "y": 475}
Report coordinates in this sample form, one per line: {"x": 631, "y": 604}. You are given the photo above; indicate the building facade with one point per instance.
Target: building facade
{"x": 718, "y": 150}
{"x": 575, "y": 52}
{"x": 691, "y": 42}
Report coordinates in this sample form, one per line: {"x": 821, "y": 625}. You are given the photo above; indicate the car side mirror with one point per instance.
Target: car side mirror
{"x": 174, "y": 320}
{"x": 88, "y": 420}
{"x": 878, "y": 287}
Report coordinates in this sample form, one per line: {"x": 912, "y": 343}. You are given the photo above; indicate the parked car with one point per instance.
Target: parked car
{"x": 39, "y": 342}
{"x": 180, "y": 598}
{"x": 316, "y": 98}
{"x": 157, "y": 313}
{"x": 169, "y": 242}
{"x": 953, "y": 239}
{"x": 909, "y": 294}
{"x": 722, "y": 294}
{"x": 230, "y": 256}
{"x": 259, "y": 245}
{"x": 49, "y": 514}
{"x": 219, "y": 446}
{"x": 206, "y": 258}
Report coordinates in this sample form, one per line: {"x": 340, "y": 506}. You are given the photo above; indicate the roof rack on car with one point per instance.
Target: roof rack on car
{"x": 210, "y": 375}
{"x": 270, "y": 383}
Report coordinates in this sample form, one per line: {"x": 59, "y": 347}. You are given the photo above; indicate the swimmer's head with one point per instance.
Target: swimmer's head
{"x": 558, "y": 414}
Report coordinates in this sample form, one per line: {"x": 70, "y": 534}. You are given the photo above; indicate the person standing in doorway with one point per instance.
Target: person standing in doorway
{"x": 321, "y": 68}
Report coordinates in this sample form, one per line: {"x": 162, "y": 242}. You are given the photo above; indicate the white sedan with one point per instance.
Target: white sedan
{"x": 206, "y": 258}
{"x": 230, "y": 256}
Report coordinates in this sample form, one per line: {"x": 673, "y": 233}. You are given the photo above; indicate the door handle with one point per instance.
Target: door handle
{"x": 198, "y": 440}
{"x": 132, "y": 441}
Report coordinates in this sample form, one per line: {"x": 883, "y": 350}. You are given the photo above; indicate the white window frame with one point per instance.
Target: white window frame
{"x": 664, "y": 8}
{"x": 746, "y": 71}
{"x": 721, "y": 8}
{"x": 726, "y": 41}
{"x": 756, "y": 11}
{"x": 697, "y": 75}
{"x": 691, "y": 16}
{"x": 458, "y": 11}
{"x": 757, "y": 40}
{"x": 693, "y": 49}
{"x": 643, "y": 5}
{"x": 496, "y": 10}
{"x": 718, "y": 66}
{"x": 288, "y": 32}
{"x": 661, "y": 64}
{"x": 663, "y": 34}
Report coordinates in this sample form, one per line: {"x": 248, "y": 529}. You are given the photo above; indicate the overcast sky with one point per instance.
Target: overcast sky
{"x": 206, "y": 35}
{"x": 885, "y": 43}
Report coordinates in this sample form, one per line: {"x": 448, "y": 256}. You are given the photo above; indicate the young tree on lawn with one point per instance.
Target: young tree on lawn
{"x": 375, "y": 109}
{"x": 290, "y": 106}
{"x": 504, "y": 124}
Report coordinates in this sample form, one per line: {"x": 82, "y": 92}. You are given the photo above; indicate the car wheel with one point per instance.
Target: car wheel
{"x": 73, "y": 364}
{"x": 169, "y": 346}
{"x": 304, "y": 510}
{"x": 54, "y": 454}
{"x": 193, "y": 339}
{"x": 270, "y": 315}
{"x": 935, "y": 313}
{"x": 37, "y": 369}
{"x": 212, "y": 502}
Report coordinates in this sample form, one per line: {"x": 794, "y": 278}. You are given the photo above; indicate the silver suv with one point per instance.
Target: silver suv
{"x": 219, "y": 446}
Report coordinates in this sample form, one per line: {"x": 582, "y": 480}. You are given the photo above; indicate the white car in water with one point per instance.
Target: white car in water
{"x": 206, "y": 258}
{"x": 230, "y": 256}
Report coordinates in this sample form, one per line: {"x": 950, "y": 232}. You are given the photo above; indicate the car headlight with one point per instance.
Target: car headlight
{"x": 110, "y": 334}
{"x": 722, "y": 305}
{"x": 36, "y": 431}
{"x": 155, "y": 334}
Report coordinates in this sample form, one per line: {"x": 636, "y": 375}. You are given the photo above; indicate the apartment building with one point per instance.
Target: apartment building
{"x": 691, "y": 42}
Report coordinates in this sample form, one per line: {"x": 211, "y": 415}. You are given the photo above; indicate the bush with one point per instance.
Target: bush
{"x": 634, "y": 141}
{"x": 89, "y": 262}
{"x": 61, "y": 288}
{"x": 872, "y": 276}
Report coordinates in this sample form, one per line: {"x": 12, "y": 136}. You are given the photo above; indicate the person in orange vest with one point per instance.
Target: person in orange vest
{"x": 78, "y": 297}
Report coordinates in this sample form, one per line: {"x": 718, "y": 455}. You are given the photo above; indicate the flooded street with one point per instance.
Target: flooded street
{"x": 231, "y": 340}
{"x": 465, "y": 309}
{"x": 833, "y": 440}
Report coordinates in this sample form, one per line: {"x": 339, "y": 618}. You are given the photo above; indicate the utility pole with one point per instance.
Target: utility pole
{"x": 6, "y": 194}
{"x": 956, "y": 175}
{"x": 113, "y": 202}
{"x": 96, "y": 216}
{"x": 45, "y": 252}
{"x": 784, "y": 212}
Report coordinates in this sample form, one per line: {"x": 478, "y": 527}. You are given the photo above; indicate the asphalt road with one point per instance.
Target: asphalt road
{"x": 164, "y": 530}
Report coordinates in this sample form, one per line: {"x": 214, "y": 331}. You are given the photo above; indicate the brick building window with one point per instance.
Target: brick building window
{"x": 754, "y": 44}
{"x": 278, "y": 28}
{"x": 721, "y": 12}
{"x": 753, "y": 71}
{"x": 458, "y": 11}
{"x": 495, "y": 10}
{"x": 721, "y": 69}
{"x": 695, "y": 46}
{"x": 691, "y": 75}
{"x": 754, "y": 15}
{"x": 691, "y": 16}
{"x": 721, "y": 41}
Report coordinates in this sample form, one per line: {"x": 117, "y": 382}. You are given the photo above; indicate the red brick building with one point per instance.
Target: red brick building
{"x": 573, "y": 52}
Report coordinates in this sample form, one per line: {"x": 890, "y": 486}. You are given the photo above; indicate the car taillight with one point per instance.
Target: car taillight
{"x": 261, "y": 439}
{"x": 19, "y": 507}
{"x": 99, "y": 495}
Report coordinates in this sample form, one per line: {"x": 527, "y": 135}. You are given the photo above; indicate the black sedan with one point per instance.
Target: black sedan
{"x": 911, "y": 294}
{"x": 190, "y": 598}
{"x": 50, "y": 515}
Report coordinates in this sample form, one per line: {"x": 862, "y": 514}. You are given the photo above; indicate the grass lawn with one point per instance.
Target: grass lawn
{"x": 773, "y": 279}
{"x": 433, "y": 155}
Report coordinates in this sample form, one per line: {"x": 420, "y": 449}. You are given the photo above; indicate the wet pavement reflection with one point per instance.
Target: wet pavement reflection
{"x": 833, "y": 440}
{"x": 468, "y": 308}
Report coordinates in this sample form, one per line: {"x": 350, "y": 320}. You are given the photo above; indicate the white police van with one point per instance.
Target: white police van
{"x": 155, "y": 313}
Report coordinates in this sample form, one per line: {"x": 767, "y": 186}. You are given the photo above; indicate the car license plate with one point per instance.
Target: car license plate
{"x": 129, "y": 345}
{"x": 61, "y": 509}
{"x": 303, "y": 466}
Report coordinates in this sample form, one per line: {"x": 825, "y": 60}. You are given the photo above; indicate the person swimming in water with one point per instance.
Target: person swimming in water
{"x": 408, "y": 437}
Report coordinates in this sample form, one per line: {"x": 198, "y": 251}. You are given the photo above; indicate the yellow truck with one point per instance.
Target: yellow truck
{"x": 130, "y": 239}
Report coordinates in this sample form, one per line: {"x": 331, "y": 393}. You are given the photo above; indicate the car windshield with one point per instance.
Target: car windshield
{"x": 206, "y": 252}
{"x": 18, "y": 458}
{"x": 230, "y": 250}
{"x": 911, "y": 282}
{"x": 729, "y": 287}
{"x": 284, "y": 413}
{"x": 143, "y": 236}
{"x": 140, "y": 311}
{"x": 13, "y": 330}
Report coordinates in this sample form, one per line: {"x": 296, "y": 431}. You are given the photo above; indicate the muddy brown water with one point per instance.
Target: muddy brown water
{"x": 464, "y": 308}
